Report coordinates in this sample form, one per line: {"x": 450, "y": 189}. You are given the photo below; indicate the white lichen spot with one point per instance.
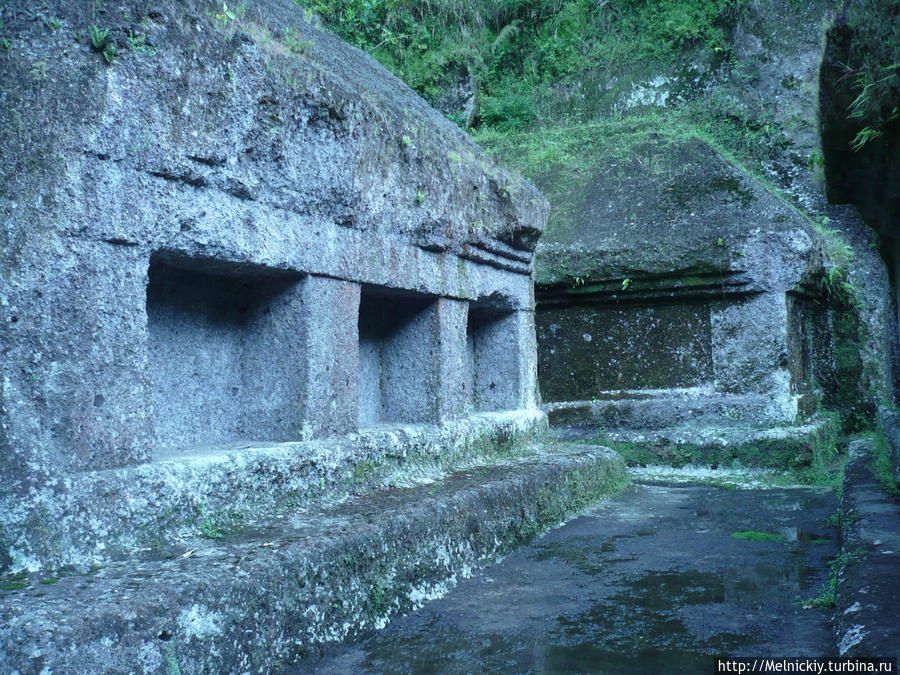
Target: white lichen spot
{"x": 655, "y": 92}
{"x": 199, "y": 622}
{"x": 150, "y": 657}
{"x": 851, "y": 638}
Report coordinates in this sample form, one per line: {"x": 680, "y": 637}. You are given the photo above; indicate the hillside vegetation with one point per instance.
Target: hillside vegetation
{"x": 571, "y": 64}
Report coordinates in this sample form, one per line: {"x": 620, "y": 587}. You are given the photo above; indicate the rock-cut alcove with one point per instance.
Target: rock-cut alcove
{"x": 224, "y": 352}
{"x": 492, "y": 374}
{"x": 397, "y": 356}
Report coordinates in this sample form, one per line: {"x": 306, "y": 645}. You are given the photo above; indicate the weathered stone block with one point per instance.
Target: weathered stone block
{"x": 74, "y": 366}
{"x": 330, "y": 359}
{"x": 587, "y": 350}
{"x": 190, "y": 259}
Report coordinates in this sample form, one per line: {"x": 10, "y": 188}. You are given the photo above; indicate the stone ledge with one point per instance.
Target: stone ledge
{"x": 868, "y": 588}
{"x": 93, "y": 517}
{"x": 258, "y": 600}
{"x": 890, "y": 428}
{"x": 657, "y": 409}
{"x": 784, "y": 447}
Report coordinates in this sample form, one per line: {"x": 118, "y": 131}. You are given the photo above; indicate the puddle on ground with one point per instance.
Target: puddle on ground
{"x": 651, "y": 582}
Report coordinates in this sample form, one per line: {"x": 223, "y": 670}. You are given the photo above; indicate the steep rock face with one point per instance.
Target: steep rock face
{"x": 263, "y": 108}
{"x": 670, "y": 207}
{"x": 859, "y": 119}
{"x": 674, "y": 273}
{"x": 663, "y": 198}
{"x": 190, "y": 158}
{"x": 859, "y": 100}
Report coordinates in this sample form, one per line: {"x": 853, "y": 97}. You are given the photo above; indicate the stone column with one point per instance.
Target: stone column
{"x": 330, "y": 338}
{"x": 453, "y": 387}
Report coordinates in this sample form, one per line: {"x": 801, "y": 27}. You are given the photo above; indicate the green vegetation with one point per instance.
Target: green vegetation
{"x": 824, "y": 598}
{"x": 12, "y": 585}
{"x": 379, "y": 600}
{"x": 101, "y": 43}
{"x": 874, "y": 68}
{"x": 814, "y": 458}
{"x": 14, "y": 582}
{"x": 882, "y": 465}
{"x": 532, "y": 59}
{"x": 216, "y": 525}
{"x": 545, "y": 71}
{"x": 98, "y": 36}
{"x": 138, "y": 43}
{"x": 753, "y": 535}
{"x": 560, "y": 87}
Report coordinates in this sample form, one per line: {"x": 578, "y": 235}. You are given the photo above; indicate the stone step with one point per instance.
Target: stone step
{"x": 663, "y": 408}
{"x": 777, "y": 447}
{"x": 259, "y": 598}
{"x": 93, "y": 517}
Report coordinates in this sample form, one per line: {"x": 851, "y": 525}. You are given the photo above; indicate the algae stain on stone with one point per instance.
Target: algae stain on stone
{"x": 753, "y": 535}
{"x": 171, "y": 658}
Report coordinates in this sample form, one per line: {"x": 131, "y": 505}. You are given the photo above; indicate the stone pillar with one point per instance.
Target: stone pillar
{"x": 750, "y": 352}
{"x": 453, "y": 393}
{"x": 74, "y": 389}
{"x": 330, "y": 337}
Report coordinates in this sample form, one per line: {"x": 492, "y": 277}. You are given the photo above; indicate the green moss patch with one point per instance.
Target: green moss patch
{"x": 753, "y": 535}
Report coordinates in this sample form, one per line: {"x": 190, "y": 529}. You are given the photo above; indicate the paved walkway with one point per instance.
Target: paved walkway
{"x": 651, "y": 581}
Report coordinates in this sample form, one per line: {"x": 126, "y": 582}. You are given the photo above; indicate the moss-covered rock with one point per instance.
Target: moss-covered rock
{"x": 859, "y": 100}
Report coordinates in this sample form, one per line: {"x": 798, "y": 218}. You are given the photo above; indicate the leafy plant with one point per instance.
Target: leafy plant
{"x": 98, "y": 37}
{"x": 208, "y": 526}
{"x": 824, "y": 598}
{"x": 39, "y": 71}
{"x": 864, "y": 135}
{"x": 295, "y": 44}
{"x": 138, "y": 42}
{"x": 226, "y": 15}
{"x": 526, "y": 59}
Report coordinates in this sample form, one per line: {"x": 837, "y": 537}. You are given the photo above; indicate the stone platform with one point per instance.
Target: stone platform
{"x": 717, "y": 445}
{"x": 93, "y": 517}
{"x": 258, "y": 597}
{"x": 664, "y": 408}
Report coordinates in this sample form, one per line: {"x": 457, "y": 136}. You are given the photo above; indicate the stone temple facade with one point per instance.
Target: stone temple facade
{"x": 236, "y": 264}
{"x": 679, "y": 301}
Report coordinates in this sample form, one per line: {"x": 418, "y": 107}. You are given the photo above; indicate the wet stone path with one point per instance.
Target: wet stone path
{"x": 654, "y": 580}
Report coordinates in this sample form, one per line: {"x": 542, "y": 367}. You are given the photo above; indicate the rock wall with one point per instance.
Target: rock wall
{"x": 674, "y": 279}
{"x": 618, "y": 166}
{"x": 228, "y": 225}
{"x": 859, "y": 120}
